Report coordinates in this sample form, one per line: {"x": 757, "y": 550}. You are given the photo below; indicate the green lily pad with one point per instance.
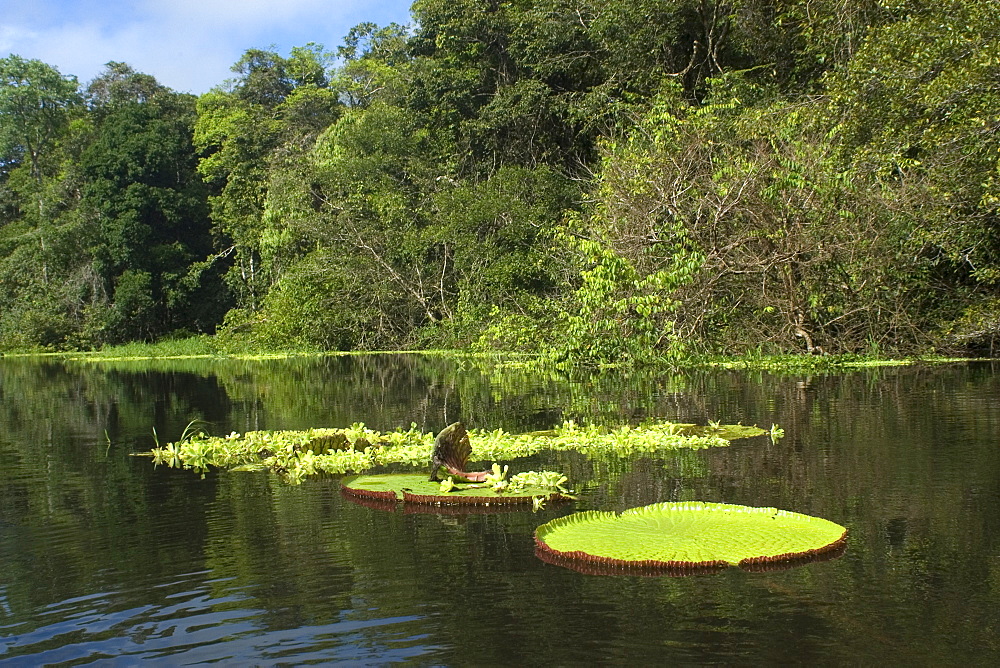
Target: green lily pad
{"x": 415, "y": 488}
{"x": 680, "y": 536}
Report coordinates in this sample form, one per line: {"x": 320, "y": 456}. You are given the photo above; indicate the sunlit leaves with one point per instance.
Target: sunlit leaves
{"x": 35, "y": 106}
{"x": 251, "y": 135}
{"x": 298, "y": 454}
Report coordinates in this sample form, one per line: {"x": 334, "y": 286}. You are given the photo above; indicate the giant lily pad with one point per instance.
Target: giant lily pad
{"x": 415, "y": 488}
{"x": 688, "y": 536}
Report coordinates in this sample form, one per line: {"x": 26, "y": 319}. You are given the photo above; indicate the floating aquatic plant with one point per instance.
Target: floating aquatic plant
{"x": 355, "y": 449}
{"x": 595, "y": 440}
{"x": 416, "y": 488}
{"x": 776, "y": 433}
{"x": 692, "y": 536}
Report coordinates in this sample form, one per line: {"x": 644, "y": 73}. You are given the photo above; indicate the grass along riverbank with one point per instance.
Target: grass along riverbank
{"x": 206, "y": 346}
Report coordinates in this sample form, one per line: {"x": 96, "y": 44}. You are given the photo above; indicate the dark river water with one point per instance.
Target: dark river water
{"x": 106, "y": 559}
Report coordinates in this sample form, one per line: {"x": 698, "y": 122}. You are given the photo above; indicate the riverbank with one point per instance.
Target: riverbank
{"x": 206, "y": 347}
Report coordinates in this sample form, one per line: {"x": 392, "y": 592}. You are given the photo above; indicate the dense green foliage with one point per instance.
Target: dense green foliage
{"x": 599, "y": 182}
{"x": 297, "y": 454}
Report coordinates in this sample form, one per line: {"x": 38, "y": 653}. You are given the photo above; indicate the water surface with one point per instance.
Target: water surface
{"x": 104, "y": 558}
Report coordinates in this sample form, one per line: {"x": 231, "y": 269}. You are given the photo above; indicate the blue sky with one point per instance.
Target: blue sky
{"x": 188, "y": 45}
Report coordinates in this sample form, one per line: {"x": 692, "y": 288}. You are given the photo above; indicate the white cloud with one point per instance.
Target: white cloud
{"x": 10, "y": 35}
{"x": 188, "y": 45}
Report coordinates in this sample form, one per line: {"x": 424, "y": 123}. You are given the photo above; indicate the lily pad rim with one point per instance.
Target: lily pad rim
{"x": 447, "y": 498}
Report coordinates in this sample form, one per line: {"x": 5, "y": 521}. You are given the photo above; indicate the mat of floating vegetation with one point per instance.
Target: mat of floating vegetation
{"x": 701, "y": 537}
{"x": 297, "y": 455}
{"x": 415, "y": 488}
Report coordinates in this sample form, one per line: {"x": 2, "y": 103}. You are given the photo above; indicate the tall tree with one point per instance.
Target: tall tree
{"x": 152, "y": 213}
{"x": 274, "y": 109}
{"x": 36, "y": 103}
{"x": 120, "y": 84}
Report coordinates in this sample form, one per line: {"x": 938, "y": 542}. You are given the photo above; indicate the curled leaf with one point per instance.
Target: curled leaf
{"x": 452, "y": 450}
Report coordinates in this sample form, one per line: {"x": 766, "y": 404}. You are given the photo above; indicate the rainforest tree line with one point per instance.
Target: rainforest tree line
{"x": 596, "y": 181}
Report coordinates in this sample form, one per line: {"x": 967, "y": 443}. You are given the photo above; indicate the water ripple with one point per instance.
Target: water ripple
{"x": 191, "y": 625}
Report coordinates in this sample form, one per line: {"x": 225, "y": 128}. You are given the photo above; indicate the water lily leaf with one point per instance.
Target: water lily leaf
{"x": 694, "y": 535}
{"x": 415, "y": 488}
{"x": 452, "y": 446}
{"x": 452, "y": 450}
